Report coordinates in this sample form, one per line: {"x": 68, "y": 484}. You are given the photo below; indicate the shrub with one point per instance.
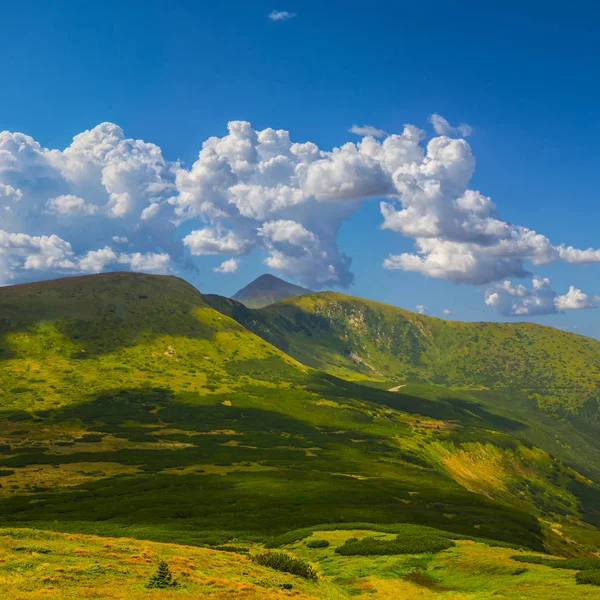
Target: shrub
{"x": 591, "y": 576}
{"x": 162, "y": 578}
{"x": 280, "y": 561}
{"x": 288, "y": 538}
{"x": 520, "y": 571}
{"x": 371, "y": 546}
{"x": 317, "y": 544}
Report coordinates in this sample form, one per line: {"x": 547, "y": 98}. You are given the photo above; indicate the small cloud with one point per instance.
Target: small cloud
{"x": 281, "y": 15}
{"x": 368, "y": 130}
{"x": 228, "y": 266}
{"x": 442, "y": 127}
{"x": 518, "y": 301}
{"x": 447, "y": 312}
{"x": 118, "y": 239}
{"x": 422, "y": 310}
{"x": 69, "y": 205}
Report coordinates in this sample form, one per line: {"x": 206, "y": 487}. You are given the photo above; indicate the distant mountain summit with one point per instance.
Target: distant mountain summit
{"x": 266, "y": 289}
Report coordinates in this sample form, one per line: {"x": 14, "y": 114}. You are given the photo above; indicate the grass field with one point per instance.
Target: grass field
{"x": 39, "y": 564}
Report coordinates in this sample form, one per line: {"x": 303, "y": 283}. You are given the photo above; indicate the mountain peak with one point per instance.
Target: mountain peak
{"x": 266, "y": 289}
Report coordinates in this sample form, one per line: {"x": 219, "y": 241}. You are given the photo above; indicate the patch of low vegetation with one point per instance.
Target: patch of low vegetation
{"x": 317, "y": 544}
{"x": 591, "y": 577}
{"x": 417, "y": 544}
{"x": 280, "y": 561}
{"x": 288, "y": 538}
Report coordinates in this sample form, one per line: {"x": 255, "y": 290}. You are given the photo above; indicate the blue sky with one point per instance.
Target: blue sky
{"x": 174, "y": 74}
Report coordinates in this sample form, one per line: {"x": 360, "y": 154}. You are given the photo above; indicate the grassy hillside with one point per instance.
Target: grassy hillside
{"x": 359, "y": 338}
{"x": 43, "y": 564}
{"x": 130, "y": 406}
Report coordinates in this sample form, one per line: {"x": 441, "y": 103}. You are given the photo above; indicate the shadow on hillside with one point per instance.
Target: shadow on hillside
{"x": 293, "y": 488}
{"x": 87, "y": 316}
{"x": 447, "y": 408}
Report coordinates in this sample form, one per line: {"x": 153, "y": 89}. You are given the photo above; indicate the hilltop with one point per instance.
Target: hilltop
{"x": 266, "y": 289}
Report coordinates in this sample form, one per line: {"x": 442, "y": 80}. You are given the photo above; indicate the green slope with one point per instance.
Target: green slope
{"x": 359, "y": 338}
{"x": 129, "y": 404}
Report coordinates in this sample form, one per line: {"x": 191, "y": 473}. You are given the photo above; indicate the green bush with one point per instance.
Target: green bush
{"x": 317, "y": 544}
{"x": 162, "y": 578}
{"x": 280, "y": 561}
{"x": 371, "y": 546}
{"x": 591, "y": 576}
{"x": 288, "y": 538}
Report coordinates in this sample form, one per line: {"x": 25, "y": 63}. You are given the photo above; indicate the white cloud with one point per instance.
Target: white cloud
{"x": 256, "y": 191}
{"x": 422, "y": 310}
{"x": 68, "y": 204}
{"x": 442, "y": 127}
{"x": 228, "y": 266}
{"x": 215, "y": 240}
{"x": 281, "y": 15}
{"x": 578, "y": 257}
{"x": 150, "y": 262}
{"x": 365, "y": 130}
{"x": 541, "y": 299}
{"x": 575, "y": 299}
{"x": 447, "y": 312}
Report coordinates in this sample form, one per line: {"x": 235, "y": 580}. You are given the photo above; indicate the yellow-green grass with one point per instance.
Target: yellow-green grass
{"x": 40, "y": 564}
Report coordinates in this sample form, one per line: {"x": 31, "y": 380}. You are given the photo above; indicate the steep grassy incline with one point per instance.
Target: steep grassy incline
{"x": 359, "y": 338}
{"x": 128, "y": 404}
{"x": 62, "y": 338}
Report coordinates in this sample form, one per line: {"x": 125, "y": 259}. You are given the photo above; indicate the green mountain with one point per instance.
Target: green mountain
{"x": 362, "y": 339}
{"x": 266, "y": 289}
{"x": 130, "y": 405}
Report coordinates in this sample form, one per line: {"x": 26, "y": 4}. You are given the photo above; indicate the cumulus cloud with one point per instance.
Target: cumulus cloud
{"x": 447, "y": 312}
{"x": 458, "y": 232}
{"x": 281, "y": 15}
{"x": 69, "y": 204}
{"x": 56, "y": 206}
{"x": 228, "y": 266}
{"x": 541, "y": 299}
{"x": 578, "y": 257}
{"x": 575, "y": 299}
{"x": 250, "y": 190}
{"x": 215, "y": 240}
{"x": 442, "y": 127}
{"x": 422, "y": 310}
{"x": 365, "y": 130}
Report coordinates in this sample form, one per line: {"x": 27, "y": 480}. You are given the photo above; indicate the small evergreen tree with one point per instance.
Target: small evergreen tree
{"x": 162, "y": 578}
